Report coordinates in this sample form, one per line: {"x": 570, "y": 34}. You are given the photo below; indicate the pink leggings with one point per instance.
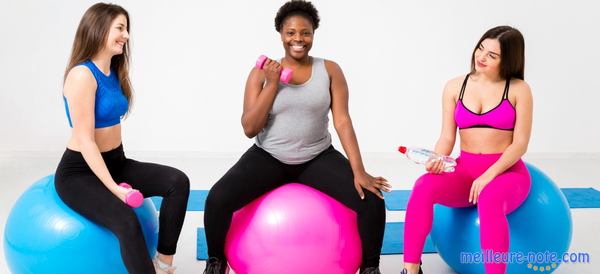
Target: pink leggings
{"x": 500, "y": 197}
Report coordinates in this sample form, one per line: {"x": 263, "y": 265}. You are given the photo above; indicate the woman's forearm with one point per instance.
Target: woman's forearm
{"x": 347, "y": 136}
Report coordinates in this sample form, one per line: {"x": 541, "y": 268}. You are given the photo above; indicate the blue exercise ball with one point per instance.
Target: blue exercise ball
{"x": 43, "y": 235}
{"x": 540, "y": 227}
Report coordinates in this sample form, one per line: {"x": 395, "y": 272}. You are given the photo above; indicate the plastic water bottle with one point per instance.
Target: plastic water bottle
{"x": 422, "y": 156}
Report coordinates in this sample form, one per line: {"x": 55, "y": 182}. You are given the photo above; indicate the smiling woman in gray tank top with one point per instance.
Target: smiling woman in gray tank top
{"x": 296, "y": 127}
{"x": 293, "y": 143}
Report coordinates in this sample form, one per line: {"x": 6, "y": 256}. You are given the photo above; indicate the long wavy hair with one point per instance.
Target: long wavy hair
{"x": 90, "y": 38}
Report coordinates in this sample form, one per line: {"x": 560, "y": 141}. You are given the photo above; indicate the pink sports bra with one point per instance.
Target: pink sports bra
{"x": 501, "y": 117}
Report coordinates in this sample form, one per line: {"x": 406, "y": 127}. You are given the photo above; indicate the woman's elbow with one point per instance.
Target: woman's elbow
{"x": 249, "y": 130}
{"x": 523, "y": 146}
{"x": 84, "y": 137}
{"x": 520, "y": 144}
{"x": 250, "y": 133}
{"x": 341, "y": 124}
{"x": 447, "y": 139}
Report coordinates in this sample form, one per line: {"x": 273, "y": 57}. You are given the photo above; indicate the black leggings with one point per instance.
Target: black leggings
{"x": 82, "y": 191}
{"x": 257, "y": 172}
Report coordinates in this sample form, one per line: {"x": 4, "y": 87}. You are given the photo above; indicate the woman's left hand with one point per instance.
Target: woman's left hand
{"x": 370, "y": 183}
{"x": 478, "y": 186}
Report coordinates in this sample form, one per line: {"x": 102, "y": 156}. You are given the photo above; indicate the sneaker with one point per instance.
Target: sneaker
{"x": 215, "y": 265}
{"x": 162, "y": 268}
{"x": 370, "y": 270}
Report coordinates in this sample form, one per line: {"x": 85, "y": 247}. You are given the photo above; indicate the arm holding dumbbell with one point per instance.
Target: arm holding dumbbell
{"x": 286, "y": 73}
{"x": 261, "y": 89}
{"x": 80, "y": 90}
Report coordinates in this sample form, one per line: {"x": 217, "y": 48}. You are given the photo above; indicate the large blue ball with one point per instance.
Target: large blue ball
{"x": 542, "y": 225}
{"x": 43, "y": 235}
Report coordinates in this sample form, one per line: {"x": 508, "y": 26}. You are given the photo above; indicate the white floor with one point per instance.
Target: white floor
{"x": 18, "y": 171}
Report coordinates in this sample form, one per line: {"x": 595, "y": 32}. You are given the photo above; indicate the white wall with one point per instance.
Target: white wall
{"x": 191, "y": 59}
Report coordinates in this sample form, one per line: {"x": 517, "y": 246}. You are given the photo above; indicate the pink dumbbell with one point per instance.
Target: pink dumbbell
{"x": 134, "y": 198}
{"x": 286, "y": 73}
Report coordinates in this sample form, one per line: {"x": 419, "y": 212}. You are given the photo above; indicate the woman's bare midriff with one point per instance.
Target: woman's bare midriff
{"x": 485, "y": 140}
{"x": 107, "y": 139}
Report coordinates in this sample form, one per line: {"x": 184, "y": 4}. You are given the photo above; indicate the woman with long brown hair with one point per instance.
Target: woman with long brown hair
{"x": 492, "y": 108}
{"x": 97, "y": 93}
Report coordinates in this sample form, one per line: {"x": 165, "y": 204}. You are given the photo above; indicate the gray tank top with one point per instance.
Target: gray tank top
{"x": 296, "y": 129}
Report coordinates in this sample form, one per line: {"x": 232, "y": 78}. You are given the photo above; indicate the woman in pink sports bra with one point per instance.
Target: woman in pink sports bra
{"x": 492, "y": 108}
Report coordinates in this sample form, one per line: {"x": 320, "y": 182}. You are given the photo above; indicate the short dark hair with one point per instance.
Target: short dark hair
{"x": 297, "y": 7}
{"x": 512, "y": 47}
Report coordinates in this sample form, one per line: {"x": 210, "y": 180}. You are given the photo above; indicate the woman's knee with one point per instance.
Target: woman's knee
{"x": 179, "y": 182}
{"x": 218, "y": 197}
{"x": 488, "y": 203}
{"x": 424, "y": 186}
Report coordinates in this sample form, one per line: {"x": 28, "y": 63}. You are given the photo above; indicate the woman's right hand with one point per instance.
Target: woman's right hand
{"x": 121, "y": 193}
{"x": 435, "y": 166}
{"x": 272, "y": 71}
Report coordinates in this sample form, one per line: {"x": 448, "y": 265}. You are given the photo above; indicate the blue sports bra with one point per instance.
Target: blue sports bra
{"x": 111, "y": 104}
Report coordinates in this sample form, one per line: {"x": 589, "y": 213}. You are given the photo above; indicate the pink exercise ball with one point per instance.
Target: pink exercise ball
{"x": 294, "y": 229}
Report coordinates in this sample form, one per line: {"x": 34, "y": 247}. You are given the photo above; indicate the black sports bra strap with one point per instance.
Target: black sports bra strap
{"x": 464, "y": 85}
{"x": 505, "y": 95}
